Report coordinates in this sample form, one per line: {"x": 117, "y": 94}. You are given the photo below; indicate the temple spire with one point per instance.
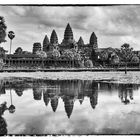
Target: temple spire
{"x": 68, "y": 34}
{"x": 68, "y": 104}
{"x": 80, "y": 42}
{"x": 46, "y": 43}
{"x": 37, "y": 93}
{"x": 93, "y": 100}
{"x": 54, "y": 38}
{"x": 46, "y": 98}
{"x": 93, "y": 40}
{"x": 54, "y": 103}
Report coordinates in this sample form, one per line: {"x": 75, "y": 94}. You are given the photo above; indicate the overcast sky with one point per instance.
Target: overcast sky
{"x": 113, "y": 25}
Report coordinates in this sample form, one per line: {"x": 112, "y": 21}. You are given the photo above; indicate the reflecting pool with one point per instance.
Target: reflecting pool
{"x": 40, "y": 106}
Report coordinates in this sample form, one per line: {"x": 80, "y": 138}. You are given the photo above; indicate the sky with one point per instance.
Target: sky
{"x": 113, "y": 25}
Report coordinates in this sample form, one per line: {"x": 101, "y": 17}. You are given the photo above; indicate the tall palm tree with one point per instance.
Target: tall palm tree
{"x": 11, "y": 35}
{"x": 12, "y": 107}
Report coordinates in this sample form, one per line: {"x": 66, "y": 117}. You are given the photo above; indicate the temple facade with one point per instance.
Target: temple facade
{"x": 51, "y": 53}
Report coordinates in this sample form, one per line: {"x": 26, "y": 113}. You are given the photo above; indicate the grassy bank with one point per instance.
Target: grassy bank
{"x": 117, "y": 77}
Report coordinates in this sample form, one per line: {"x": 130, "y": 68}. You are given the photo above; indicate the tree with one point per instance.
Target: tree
{"x": 114, "y": 59}
{"x": 88, "y": 64}
{"x": 94, "y": 56}
{"x": 135, "y": 59}
{"x": 54, "y": 54}
{"x": 11, "y": 35}
{"x": 3, "y": 28}
{"x": 103, "y": 56}
{"x": 126, "y": 54}
{"x": 42, "y": 55}
{"x": 68, "y": 54}
{"x": 1, "y": 63}
{"x": 18, "y": 50}
{"x": 72, "y": 55}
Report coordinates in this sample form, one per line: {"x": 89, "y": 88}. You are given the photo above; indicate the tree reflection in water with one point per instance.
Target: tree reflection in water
{"x": 125, "y": 93}
{"x": 3, "y": 124}
{"x": 69, "y": 91}
{"x": 12, "y": 108}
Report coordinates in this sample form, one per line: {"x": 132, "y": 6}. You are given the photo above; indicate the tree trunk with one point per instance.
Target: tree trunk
{"x": 42, "y": 64}
{"x": 126, "y": 68}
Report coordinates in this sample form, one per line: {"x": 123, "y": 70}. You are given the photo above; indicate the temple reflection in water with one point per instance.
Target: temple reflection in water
{"x": 69, "y": 91}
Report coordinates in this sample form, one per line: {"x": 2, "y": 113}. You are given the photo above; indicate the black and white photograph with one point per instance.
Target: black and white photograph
{"x": 69, "y": 69}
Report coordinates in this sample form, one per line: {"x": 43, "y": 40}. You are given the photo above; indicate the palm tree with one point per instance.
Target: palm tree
{"x": 11, "y": 107}
{"x": 11, "y": 35}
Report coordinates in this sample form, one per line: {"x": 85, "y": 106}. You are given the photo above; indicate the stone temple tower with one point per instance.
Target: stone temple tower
{"x": 80, "y": 42}
{"x": 68, "y": 41}
{"x": 54, "y": 103}
{"x": 53, "y": 41}
{"x": 68, "y": 104}
{"x": 54, "y": 38}
{"x": 93, "y": 41}
{"x": 46, "y": 43}
{"x": 36, "y": 47}
{"x": 68, "y": 34}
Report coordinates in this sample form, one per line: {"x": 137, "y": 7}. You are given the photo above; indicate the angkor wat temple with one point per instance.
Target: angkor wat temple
{"x": 51, "y": 53}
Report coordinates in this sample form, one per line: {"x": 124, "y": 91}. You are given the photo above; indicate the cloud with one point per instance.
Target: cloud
{"x": 31, "y": 23}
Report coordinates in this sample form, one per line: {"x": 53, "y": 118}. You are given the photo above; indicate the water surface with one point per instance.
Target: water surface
{"x": 68, "y": 107}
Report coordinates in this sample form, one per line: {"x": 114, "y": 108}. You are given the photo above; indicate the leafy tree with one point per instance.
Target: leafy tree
{"x": 3, "y": 28}
{"x": 54, "y": 54}
{"x": 71, "y": 54}
{"x": 41, "y": 54}
{"x": 135, "y": 59}
{"x": 88, "y": 63}
{"x": 103, "y": 56}
{"x": 126, "y": 54}
{"x": 1, "y": 63}
{"x": 68, "y": 54}
{"x": 81, "y": 64}
{"x": 18, "y": 50}
{"x": 94, "y": 56}
{"x": 76, "y": 54}
{"x": 114, "y": 59}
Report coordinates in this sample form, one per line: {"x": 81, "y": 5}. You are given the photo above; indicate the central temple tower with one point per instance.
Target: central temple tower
{"x": 68, "y": 41}
{"x": 68, "y": 34}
